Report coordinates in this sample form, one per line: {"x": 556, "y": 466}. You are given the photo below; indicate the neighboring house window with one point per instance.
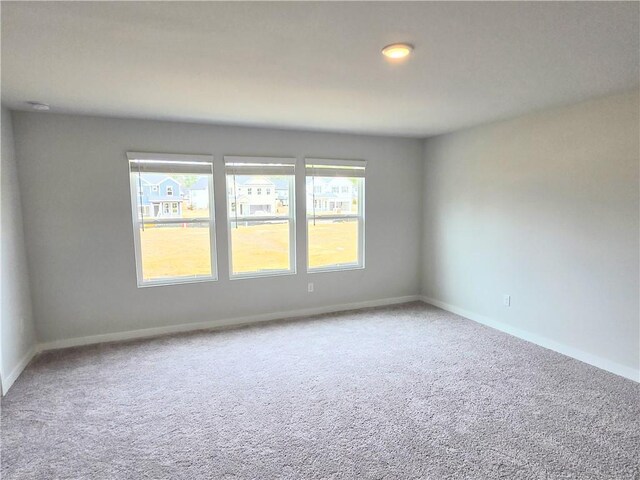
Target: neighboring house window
{"x": 268, "y": 191}
{"x": 170, "y": 191}
{"x": 154, "y": 188}
{"x": 261, "y": 232}
{"x": 335, "y": 230}
{"x": 259, "y": 191}
{"x": 144, "y": 211}
{"x": 335, "y": 189}
{"x": 248, "y": 191}
{"x": 169, "y": 248}
{"x": 345, "y": 189}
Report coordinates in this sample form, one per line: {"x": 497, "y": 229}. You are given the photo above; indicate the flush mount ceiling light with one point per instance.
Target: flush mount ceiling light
{"x": 397, "y": 50}
{"x": 39, "y": 106}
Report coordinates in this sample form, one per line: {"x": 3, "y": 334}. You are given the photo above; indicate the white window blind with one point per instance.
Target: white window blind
{"x": 259, "y": 165}
{"x": 335, "y": 168}
{"x": 170, "y": 163}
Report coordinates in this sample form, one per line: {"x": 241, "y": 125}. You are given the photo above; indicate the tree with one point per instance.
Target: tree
{"x": 186, "y": 180}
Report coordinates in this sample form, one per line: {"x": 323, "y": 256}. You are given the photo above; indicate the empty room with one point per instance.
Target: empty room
{"x": 320, "y": 240}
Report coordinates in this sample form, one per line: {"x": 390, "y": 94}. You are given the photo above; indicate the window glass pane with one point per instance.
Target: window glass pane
{"x": 160, "y": 195}
{"x": 175, "y": 251}
{"x": 332, "y": 242}
{"x": 332, "y": 195}
{"x": 170, "y": 245}
{"x": 258, "y": 195}
{"x": 260, "y": 246}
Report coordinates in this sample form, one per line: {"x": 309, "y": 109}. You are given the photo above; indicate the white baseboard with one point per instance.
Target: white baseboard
{"x": 237, "y": 321}
{"x": 17, "y": 370}
{"x": 596, "y": 361}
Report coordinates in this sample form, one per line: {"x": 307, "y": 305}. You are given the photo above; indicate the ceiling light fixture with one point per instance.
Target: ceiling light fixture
{"x": 39, "y": 106}
{"x": 397, "y": 50}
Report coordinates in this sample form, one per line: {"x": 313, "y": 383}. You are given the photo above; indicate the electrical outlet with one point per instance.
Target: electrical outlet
{"x": 310, "y": 287}
{"x": 506, "y": 300}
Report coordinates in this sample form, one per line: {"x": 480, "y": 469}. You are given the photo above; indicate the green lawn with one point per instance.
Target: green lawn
{"x": 184, "y": 251}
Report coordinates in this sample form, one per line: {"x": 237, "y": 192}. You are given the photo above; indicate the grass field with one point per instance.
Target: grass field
{"x": 179, "y": 251}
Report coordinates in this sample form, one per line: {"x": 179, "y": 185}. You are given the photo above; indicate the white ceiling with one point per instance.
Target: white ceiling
{"x": 316, "y": 66}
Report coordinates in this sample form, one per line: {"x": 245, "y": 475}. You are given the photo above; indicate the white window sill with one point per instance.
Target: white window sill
{"x": 337, "y": 268}
{"x": 176, "y": 281}
{"x": 276, "y": 273}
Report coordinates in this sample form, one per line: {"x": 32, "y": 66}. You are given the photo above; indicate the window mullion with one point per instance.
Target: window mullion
{"x": 332, "y": 217}
{"x": 177, "y": 221}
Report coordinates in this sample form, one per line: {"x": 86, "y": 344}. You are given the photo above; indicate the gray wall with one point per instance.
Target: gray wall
{"x": 17, "y": 338}
{"x": 544, "y": 208}
{"x": 75, "y": 188}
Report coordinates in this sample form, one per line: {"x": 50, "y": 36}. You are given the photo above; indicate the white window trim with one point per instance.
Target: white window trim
{"x": 197, "y": 159}
{"x": 262, "y": 161}
{"x": 360, "y": 216}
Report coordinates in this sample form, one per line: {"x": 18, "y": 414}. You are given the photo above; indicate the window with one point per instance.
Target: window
{"x": 174, "y": 241}
{"x": 259, "y": 192}
{"x": 261, "y": 230}
{"x": 248, "y": 191}
{"x": 268, "y": 190}
{"x": 335, "y": 229}
{"x": 169, "y": 191}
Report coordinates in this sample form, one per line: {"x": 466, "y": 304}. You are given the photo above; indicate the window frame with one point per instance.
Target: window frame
{"x": 264, "y": 162}
{"x": 213, "y": 252}
{"x": 359, "y": 216}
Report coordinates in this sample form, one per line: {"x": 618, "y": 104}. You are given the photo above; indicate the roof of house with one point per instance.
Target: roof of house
{"x": 278, "y": 182}
{"x": 156, "y": 178}
{"x": 250, "y": 181}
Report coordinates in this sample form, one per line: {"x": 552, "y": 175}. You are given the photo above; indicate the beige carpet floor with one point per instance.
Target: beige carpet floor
{"x": 406, "y": 392}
